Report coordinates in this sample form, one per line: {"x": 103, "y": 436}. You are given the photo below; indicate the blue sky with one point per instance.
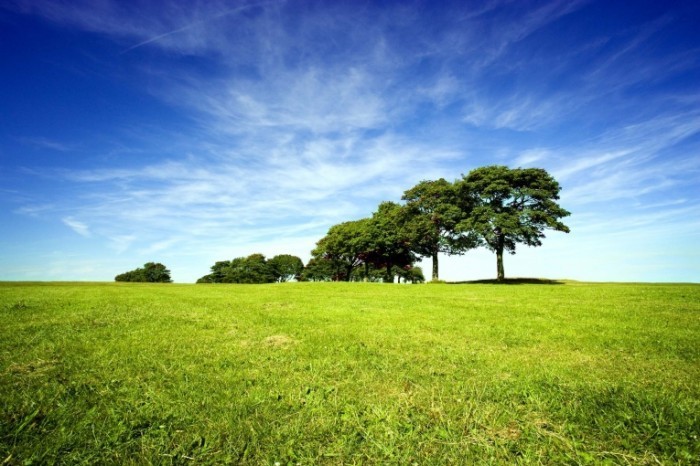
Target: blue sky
{"x": 190, "y": 132}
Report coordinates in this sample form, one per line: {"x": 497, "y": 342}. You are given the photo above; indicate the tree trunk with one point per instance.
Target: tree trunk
{"x": 389, "y": 274}
{"x": 501, "y": 275}
{"x": 435, "y": 266}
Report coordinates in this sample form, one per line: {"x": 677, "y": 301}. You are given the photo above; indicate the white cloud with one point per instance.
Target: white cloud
{"x": 532, "y": 156}
{"x": 310, "y": 114}
{"x": 77, "y": 226}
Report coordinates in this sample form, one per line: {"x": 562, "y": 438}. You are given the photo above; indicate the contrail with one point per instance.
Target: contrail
{"x": 193, "y": 24}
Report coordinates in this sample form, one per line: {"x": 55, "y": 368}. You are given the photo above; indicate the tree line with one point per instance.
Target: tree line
{"x": 495, "y": 207}
{"x": 152, "y": 272}
{"x": 285, "y": 267}
{"x": 256, "y": 269}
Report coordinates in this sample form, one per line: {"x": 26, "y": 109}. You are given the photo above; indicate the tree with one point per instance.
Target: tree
{"x": 131, "y": 276}
{"x": 257, "y": 270}
{"x": 389, "y": 245}
{"x": 251, "y": 269}
{"x": 151, "y": 272}
{"x": 286, "y": 267}
{"x": 433, "y": 213}
{"x": 411, "y": 274}
{"x": 219, "y": 272}
{"x": 318, "y": 269}
{"x": 510, "y": 206}
{"x": 346, "y": 245}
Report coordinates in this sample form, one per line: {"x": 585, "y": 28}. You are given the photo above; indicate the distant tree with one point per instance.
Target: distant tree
{"x": 235, "y": 272}
{"x": 251, "y": 269}
{"x": 346, "y": 246}
{"x": 257, "y": 270}
{"x": 219, "y": 271}
{"x": 156, "y": 273}
{"x": 433, "y": 212}
{"x": 151, "y": 272}
{"x": 389, "y": 244}
{"x": 510, "y": 206}
{"x": 286, "y": 267}
{"x": 319, "y": 269}
{"x": 411, "y": 274}
{"x": 131, "y": 276}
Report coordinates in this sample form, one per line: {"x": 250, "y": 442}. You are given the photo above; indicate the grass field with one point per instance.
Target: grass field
{"x": 327, "y": 373}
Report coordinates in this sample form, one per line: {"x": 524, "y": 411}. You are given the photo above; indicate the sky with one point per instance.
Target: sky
{"x": 189, "y": 132}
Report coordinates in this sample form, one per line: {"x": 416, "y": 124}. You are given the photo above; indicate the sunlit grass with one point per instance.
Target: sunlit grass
{"x": 350, "y": 373}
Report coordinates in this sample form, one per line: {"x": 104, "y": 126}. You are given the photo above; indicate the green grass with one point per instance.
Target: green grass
{"x": 326, "y": 373}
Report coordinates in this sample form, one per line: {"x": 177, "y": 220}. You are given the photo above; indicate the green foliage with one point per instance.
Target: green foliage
{"x": 390, "y": 245}
{"x": 411, "y": 274}
{"x": 510, "y": 206}
{"x": 318, "y": 269}
{"x": 370, "y": 249}
{"x": 252, "y": 269}
{"x": 334, "y": 373}
{"x": 345, "y": 246}
{"x": 151, "y": 272}
{"x": 432, "y": 213}
{"x": 286, "y": 267}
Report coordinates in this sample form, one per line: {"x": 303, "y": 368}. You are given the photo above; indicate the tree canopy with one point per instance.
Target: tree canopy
{"x": 286, "y": 267}
{"x": 363, "y": 249}
{"x": 432, "y": 212}
{"x": 254, "y": 269}
{"x": 151, "y": 272}
{"x": 346, "y": 246}
{"x": 390, "y": 245}
{"x": 510, "y": 206}
{"x": 319, "y": 269}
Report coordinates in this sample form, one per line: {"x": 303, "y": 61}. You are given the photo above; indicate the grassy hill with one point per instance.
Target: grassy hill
{"x": 328, "y": 373}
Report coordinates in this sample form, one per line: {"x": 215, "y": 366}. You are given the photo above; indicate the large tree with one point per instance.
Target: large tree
{"x": 433, "y": 213}
{"x": 509, "y": 206}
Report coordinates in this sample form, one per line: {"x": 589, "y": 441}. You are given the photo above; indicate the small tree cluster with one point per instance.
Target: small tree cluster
{"x": 285, "y": 267}
{"x": 151, "y": 272}
{"x": 367, "y": 248}
{"x": 495, "y": 206}
{"x": 255, "y": 269}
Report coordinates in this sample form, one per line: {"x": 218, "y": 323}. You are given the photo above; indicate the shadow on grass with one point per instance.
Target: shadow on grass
{"x": 511, "y": 281}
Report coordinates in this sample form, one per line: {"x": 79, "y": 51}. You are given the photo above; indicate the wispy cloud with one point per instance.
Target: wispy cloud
{"x": 299, "y": 115}
{"x": 45, "y": 143}
{"x": 197, "y": 24}
{"x": 77, "y": 226}
{"x": 630, "y": 162}
{"x": 319, "y": 183}
{"x": 168, "y": 24}
{"x": 523, "y": 20}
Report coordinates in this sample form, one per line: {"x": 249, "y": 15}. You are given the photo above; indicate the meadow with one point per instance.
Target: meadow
{"x": 337, "y": 373}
